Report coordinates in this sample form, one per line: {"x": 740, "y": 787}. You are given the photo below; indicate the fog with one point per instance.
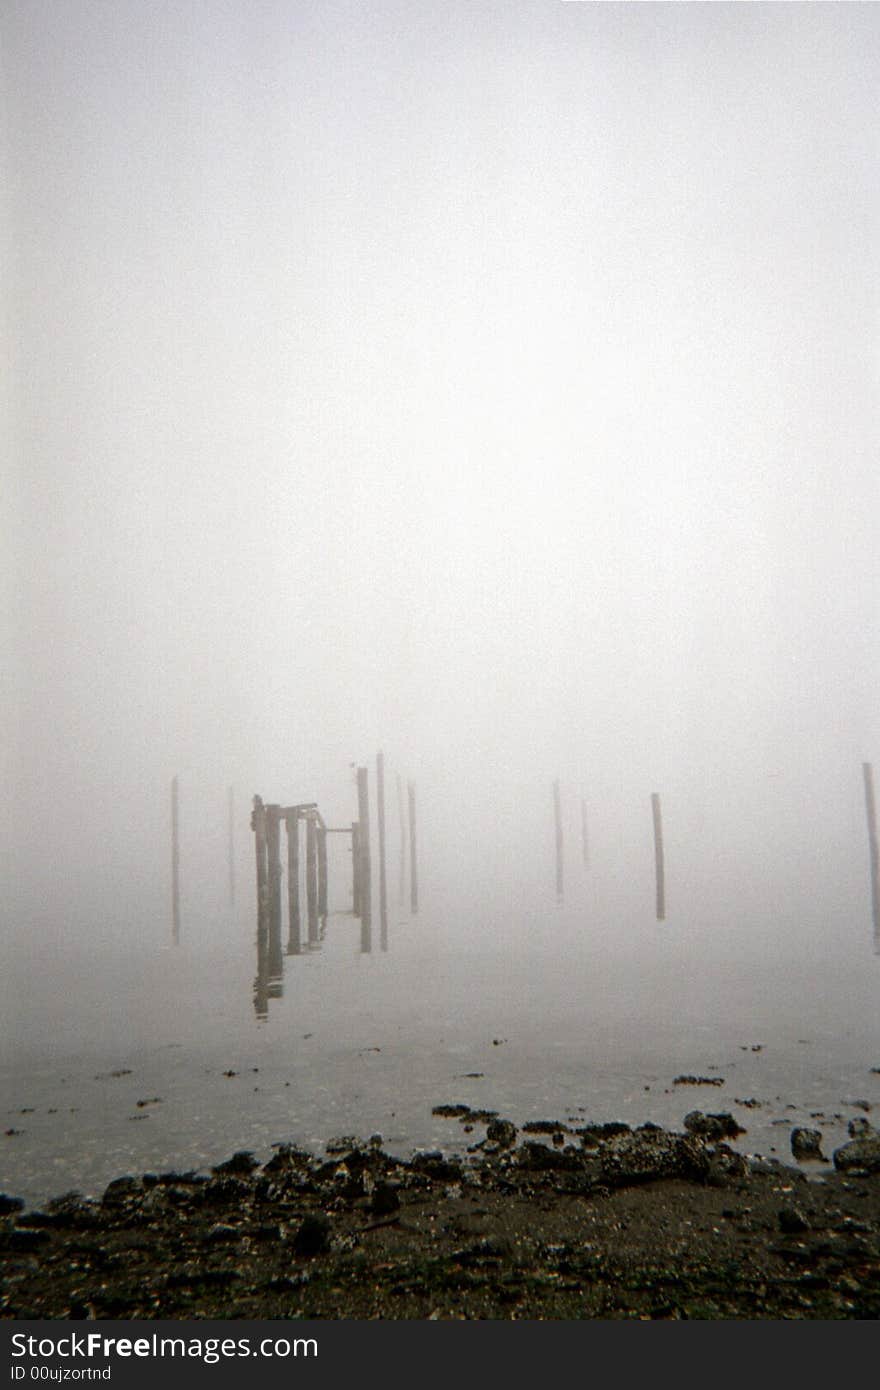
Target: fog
{"x": 493, "y": 384}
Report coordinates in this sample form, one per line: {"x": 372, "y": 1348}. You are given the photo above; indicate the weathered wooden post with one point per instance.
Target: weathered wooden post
{"x": 294, "y": 923}
{"x": 273, "y": 858}
{"x": 321, "y": 833}
{"x": 312, "y": 876}
{"x": 261, "y": 980}
{"x": 258, "y": 823}
{"x": 175, "y": 864}
{"x": 659, "y": 871}
{"x": 364, "y": 846}
{"x": 274, "y": 958}
{"x": 231, "y": 846}
{"x": 380, "y": 817}
{"x": 413, "y": 860}
{"x": 585, "y": 843}
{"x": 355, "y": 869}
{"x": 557, "y": 814}
{"x": 871, "y": 812}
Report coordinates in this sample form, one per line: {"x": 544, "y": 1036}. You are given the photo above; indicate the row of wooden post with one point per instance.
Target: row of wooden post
{"x": 266, "y": 822}
{"x": 268, "y": 852}
{"x": 659, "y": 867}
{"x": 267, "y": 839}
{"x": 362, "y": 881}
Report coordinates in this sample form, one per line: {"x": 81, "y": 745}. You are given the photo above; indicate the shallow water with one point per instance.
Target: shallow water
{"x": 128, "y": 1061}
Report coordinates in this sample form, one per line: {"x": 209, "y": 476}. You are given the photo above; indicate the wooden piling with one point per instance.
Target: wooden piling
{"x": 261, "y": 980}
{"x": 380, "y": 819}
{"x": 273, "y": 864}
{"x": 871, "y": 813}
{"x": 413, "y": 860}
{"x": 585, "y": 843}
{"x": 175, "y": 863}
{"x": 294, "y": 922}
{"x": 355, "y": 869}
{"x": 258, "y": 824}
{"x": 659, "y": 870}
{"x": 321, "y": 833}
{"x": 365, "y": 876}
{"x": 557, "y": 816}
{"x": 274, "y": 957}
{"x": 312, "y": 876}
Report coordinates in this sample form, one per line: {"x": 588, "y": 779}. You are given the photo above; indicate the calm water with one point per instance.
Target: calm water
{"x": 525, "y": 1009}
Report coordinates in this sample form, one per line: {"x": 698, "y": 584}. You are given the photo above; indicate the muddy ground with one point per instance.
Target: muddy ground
{"x": 604, "y": 1222}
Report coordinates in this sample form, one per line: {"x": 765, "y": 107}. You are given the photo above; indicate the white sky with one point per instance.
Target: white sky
{"x": 492, "y": 382}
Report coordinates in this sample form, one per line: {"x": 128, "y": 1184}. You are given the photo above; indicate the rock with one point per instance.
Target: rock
{"x": 227, "y": 1190}
{"x": 490, "y": 1248}
{"x": 719, "y": 1126}
{"x": 288, "y": 1159}
{"x": 23, "y": 1241}
{"x": 241, "y": 1164}
{"x": 591, "y": 1135}
{"x": 859, "y": 1155}
{"x": 384, "y": 1201}
{"x": 121, "y": 1190}
{"x": 647, "y": 1155}
{"x": 313, "y": 1236}
{"x": 343, "y": 1144}
{"x": 434, "y": 1165}
{"x": 859, "y": 1129}
{"x": 792, "y": 1221}
{"x": 807, "y": 1144}
{"x": 698, "y": 1081}
{"x": 763, "y": 1167}
{"x": 9, "y": 1204}
{"x": 725, "y": 1167}
{"x": 539, "y": 1157}
{"x": 502, "y": 1133}
{"x": 221, "y": 1232}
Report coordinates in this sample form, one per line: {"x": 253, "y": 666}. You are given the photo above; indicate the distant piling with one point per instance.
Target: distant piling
{"x": 258, "y": 821}
{"x": 273, "y": 863}
{"x": 871, "y": 813}
{"x": 274, "y": 962}
{"x": 585, "y": 839}
{"x": 321, "y": 834}
{"x": 659, "y": 870}
{"x": 557, "y": 816}
{"x": 365, "y": 874}
{"x": 355, "y": 869}
{"x": 380, "y": 820}
{"x": 413, "y": 852}
{"x": 261, "y": 981}
{"x": 312, "y": 876}
{"x": 175, "y": 863}
{"x": 294, "y": 923}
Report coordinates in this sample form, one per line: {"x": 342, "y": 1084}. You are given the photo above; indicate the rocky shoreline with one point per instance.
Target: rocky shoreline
{"x": 602, "y": 1221}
